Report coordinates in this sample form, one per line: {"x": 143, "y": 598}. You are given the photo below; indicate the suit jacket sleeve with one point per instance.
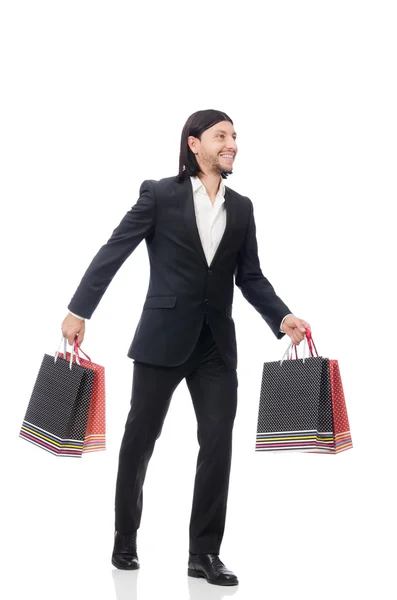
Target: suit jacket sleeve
{"x": 254, "y": 285}
{"x": 136, "y": 225}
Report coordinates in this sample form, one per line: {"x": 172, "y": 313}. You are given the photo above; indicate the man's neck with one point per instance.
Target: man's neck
{"x": 211, "y": 182}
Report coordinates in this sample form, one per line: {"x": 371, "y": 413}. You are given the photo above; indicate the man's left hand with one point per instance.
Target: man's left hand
{"x": 295, "y": 328}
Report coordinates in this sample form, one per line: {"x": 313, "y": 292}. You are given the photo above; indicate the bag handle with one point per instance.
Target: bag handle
{"x": 308, "y": 341}
{"x": 64, "y": 340}
{"x": 77, "y": 348}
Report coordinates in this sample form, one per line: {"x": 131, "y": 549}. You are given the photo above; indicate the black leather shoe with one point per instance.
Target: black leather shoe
{"x": 211, "y": 568}
{"x": 124, "y": 552}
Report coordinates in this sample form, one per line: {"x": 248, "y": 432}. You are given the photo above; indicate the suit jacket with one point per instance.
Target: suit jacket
{"x": 183, "y": 288}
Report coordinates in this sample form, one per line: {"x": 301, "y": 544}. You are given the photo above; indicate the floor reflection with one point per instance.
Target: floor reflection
{"x": 126, "y": 584}
{"x": 199, "y": 589}
{"x": 126, "y": 587}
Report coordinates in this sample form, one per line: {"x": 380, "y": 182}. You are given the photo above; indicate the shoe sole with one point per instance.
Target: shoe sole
{"x": 200, "y": 575}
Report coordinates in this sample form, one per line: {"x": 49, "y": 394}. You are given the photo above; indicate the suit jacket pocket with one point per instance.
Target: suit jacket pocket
{"x": 160, "y": 302}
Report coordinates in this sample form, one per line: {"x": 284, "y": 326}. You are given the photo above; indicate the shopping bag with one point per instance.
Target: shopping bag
{"x": 57, "y": 413}
{"x": 342, "y": 433}
{"x": 302, "y": 405}
{"x": 95, "y": 434}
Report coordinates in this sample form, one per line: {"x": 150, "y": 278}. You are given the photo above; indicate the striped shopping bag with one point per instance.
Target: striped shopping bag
{"x": 302, "y": 405}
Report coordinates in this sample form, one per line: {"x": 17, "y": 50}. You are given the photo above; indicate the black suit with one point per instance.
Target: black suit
{"x": 185, "y": 330}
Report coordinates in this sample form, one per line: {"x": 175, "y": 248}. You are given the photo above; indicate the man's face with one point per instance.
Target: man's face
{"x": 217, "y": 149}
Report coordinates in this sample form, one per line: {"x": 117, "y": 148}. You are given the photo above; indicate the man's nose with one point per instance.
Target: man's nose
{"x": 231, "y": 145}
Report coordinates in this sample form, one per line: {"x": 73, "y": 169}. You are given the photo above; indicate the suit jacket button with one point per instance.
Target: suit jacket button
{"x": 209, "y": 271}
{"x": 206, "y": 301}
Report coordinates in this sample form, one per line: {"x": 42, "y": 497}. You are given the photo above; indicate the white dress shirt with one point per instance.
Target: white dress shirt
{"x": 210, "y": 218}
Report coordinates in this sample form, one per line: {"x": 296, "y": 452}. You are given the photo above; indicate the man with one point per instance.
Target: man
{"x": 199, "y": 235}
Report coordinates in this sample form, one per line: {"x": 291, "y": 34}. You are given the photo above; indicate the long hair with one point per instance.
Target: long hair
{"x": 196, "y": 124}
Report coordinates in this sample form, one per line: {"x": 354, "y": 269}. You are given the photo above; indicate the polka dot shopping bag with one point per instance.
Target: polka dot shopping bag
{"x": 95, "y": 433}
{"x": 66, "y": 407}
{"x": 302, "y": 405}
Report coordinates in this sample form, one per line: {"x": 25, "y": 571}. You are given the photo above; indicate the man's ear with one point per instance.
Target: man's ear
{"x": 192, "y": 143}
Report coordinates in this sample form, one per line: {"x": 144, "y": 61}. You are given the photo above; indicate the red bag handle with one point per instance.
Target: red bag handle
{"x": 77, "y": 348}
{"x": 310, "y": 343}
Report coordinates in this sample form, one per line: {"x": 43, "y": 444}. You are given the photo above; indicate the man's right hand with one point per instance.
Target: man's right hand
{"x": 71, "y": 326}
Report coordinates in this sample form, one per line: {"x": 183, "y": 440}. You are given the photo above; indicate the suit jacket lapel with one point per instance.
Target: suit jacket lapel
{"x": 185, "y": 197}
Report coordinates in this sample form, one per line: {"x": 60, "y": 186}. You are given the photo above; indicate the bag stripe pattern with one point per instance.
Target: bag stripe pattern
{"x": 298, "y": 440}
{"x": 49, "y": 442}
{"x": 93, "y": 442}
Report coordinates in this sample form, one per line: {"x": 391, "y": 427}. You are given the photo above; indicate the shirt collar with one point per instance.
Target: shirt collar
{"x": 197, "y": 184}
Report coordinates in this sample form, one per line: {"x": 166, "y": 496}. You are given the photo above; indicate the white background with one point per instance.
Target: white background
{"x": 94, "y": 97}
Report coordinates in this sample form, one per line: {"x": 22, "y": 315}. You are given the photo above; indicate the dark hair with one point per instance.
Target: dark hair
{"x": 196, "y": 124}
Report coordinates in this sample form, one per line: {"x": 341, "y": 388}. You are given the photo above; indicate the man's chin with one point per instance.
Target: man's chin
{"x": 221, "y": 170}
{"x": 225, "y": 170}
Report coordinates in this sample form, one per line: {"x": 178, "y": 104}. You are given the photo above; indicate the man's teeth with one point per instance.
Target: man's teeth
{"x": 227, "y": 155}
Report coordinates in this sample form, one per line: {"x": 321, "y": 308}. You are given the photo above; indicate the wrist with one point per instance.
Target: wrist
{"x": 281, "y": 325}
{"x": 77, "y": 316}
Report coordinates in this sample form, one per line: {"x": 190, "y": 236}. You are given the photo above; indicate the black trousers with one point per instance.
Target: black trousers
{"x": 213, "y": 389}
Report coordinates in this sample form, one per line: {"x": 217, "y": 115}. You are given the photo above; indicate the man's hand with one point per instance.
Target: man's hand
{"x": 71, "y": 326}
{"x": 295, "y": 328}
